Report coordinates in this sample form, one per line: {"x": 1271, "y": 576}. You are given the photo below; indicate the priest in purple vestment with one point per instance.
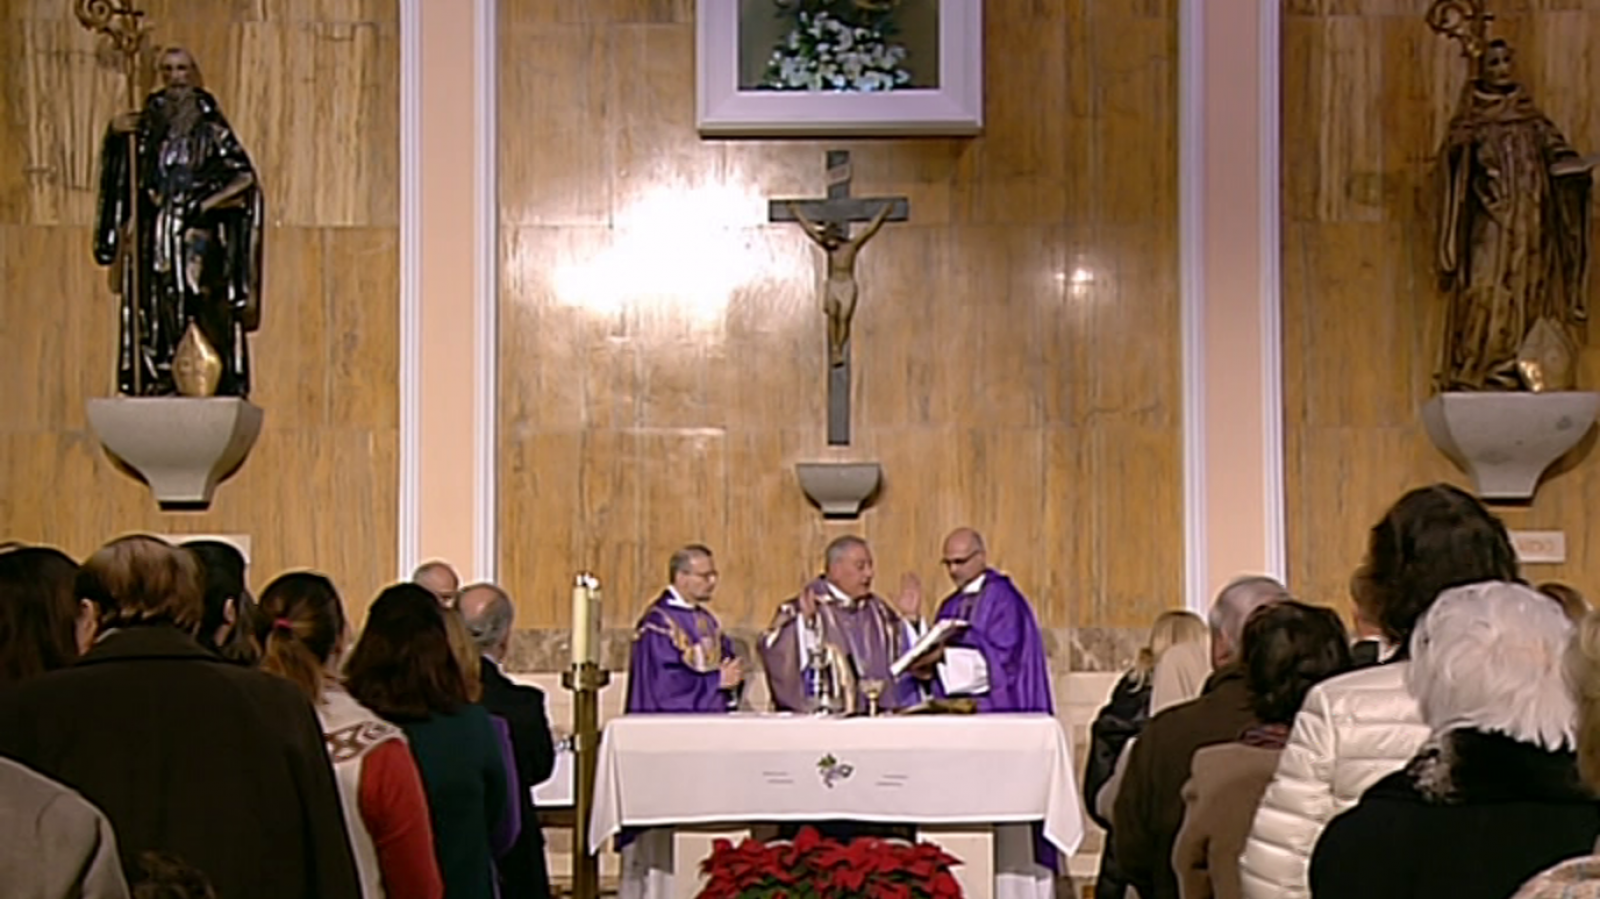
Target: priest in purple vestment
{"x": 681, "y": 661}
{"x": 999, "y": 659}
{"x": 839, "y": 610}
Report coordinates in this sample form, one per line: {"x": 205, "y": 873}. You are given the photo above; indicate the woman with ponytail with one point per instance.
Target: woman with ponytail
{"x": 301, "y": 628}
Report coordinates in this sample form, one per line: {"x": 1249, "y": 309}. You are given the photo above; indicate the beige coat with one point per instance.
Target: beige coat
{"x": 53, "y": 843}
{"x": 1220, "y": 799}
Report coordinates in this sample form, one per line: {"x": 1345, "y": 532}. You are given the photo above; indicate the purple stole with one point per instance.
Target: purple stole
{"x": 676, "y": 660}
{"x": 868, "y": 629}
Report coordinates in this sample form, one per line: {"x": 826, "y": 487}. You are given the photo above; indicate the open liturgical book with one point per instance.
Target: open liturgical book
{"x": 943, "y": 631}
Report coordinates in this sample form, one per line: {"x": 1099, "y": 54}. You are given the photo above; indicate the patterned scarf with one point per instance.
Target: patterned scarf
{"x": 1265, "y": 736}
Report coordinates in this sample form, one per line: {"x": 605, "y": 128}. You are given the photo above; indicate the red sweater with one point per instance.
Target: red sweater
{"x": 395, "y": 810}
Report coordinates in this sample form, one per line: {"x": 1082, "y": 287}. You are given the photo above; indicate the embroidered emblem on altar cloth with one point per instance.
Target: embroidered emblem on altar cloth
{"x": 831, "y": 770}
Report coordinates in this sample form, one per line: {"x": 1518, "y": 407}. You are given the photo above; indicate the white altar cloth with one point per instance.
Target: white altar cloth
{"x": 681, "y": 770}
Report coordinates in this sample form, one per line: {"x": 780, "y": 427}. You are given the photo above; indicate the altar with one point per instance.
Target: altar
{"x": 975, "y": 785}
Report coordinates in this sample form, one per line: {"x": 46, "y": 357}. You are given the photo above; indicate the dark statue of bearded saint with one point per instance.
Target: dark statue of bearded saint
{"x": 196, "y": 256}
{"x": 1513, "y": 248}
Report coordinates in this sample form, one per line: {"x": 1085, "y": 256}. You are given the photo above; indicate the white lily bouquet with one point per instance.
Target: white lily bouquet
{"x": 825, "y": 53}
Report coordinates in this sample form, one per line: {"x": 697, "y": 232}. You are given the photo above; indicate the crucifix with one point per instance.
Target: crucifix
{"x": 827, "y": 222}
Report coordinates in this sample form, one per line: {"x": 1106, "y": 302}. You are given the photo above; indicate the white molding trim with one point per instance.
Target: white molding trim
{"x": 1191, "y": 274}
{"x": 486, "y": 284}
{"x": 410, "y": 491}
{"x": 1268, "y": 120}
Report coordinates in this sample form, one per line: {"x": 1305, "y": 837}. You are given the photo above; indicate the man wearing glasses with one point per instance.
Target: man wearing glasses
{"x": 999, "y": 659}
{"x": 681, "y": 660}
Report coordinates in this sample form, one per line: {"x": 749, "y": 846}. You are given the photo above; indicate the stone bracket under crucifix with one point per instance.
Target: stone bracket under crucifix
{"x": 827, "y": 222}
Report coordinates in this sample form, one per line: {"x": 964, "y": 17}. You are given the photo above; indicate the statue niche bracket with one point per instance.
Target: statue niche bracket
{"x": 181, "y": 446}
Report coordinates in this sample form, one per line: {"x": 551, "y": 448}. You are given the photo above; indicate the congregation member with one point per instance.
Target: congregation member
{"x": 681, "y": 661}
{"x": 1494, "y": 796}
{"x": 1579, "y": 878}
{"x": 439, "y": 578}
{"x": 403, "y": 668}
{"x": 489, "y": 615}
{"x": 470, "y": 662}
{"x": 303, "y": 632}
{"x": 999, "y": 658}
{"x": 1370, "y": 647}
{"x": 1288, "y": 647}
{"x": 42, "y": 625}
{"x": 218, "y": 765}
{"x": 839, "y": 611}
{"x": 1121, "y": 720}
{"x": 227, "y": 627}
{"x": 1149, "y": 803}
{"x": 1355, "y": 729}
{"x": 54, "y": 844}
{"x": 1571, "y": 601}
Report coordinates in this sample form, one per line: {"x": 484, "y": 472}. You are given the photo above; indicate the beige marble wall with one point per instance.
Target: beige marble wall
{"x": 1367, "y": 92}
{"x": 1016, "y": 348}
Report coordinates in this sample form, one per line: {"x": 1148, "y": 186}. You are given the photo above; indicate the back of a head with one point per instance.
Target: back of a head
{"x": 165, "y": 876}
{"x": 143, "y": 580}
{"x": 224, "y": 568}
{"x": 1171, "y": 628}
{"x": 402, "y": 667}
{"x": 488, "y": 614}
{"x": 1491, "y": 657}
{"x": 1583, "y": 677}
{"x": 1288, "y": 647}
{"x": 1433, "y": 539}
{"x": 1568, "y": 597}
{"x": 1234, "y": 605}
{"x": 38, "y": 611}
{"x": 465, "y": 652}
{"x": 300, "y": 622}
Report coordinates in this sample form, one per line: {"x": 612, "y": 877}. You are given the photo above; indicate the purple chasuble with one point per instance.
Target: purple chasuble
{"x": 868, "y": 629}
{"x": 676, "y": 661}
{"x": 1002, "y": 627}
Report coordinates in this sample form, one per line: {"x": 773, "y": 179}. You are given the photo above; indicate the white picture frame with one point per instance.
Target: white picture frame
{"x": 724, "y": 109}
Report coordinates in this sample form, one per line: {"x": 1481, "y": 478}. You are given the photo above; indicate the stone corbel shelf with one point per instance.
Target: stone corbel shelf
{"x": 1505, "y": 441}
{"x": 840, "y": 489}
{"x": 181, "y": 446}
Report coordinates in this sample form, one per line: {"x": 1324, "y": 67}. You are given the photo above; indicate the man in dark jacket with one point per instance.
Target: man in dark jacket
{"x": 220, "y": 766}
{"x": 488, "y": 613}
{"x": 1149, "y": 808}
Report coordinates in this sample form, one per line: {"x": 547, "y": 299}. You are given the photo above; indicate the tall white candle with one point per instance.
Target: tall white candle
{"x": 580, "y": 621}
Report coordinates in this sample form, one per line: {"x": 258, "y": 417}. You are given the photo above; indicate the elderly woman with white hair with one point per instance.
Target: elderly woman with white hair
{"x": 1494, "y": 796}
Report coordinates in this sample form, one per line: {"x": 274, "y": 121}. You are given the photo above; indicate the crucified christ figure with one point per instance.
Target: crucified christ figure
{"x": 839, "y": 294}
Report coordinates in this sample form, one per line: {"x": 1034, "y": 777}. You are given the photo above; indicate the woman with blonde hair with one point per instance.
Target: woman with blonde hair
{"x": 1164, "y": 670}
{"x": 303, "y": 632}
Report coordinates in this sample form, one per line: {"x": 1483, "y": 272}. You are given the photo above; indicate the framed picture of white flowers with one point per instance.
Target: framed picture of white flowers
{"x": 826, "y": 68}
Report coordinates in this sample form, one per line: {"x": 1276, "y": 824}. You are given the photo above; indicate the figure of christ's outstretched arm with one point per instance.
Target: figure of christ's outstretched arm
{"x": 812, "y": 229}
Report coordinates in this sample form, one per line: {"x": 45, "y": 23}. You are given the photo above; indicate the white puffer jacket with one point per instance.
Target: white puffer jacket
{"x": 1351, "y": 731}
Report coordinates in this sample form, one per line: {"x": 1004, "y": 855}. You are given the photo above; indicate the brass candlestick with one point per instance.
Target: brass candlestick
{"x": 585, "y": 681}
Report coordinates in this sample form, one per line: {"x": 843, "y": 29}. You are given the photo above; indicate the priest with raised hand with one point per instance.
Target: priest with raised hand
{"x": 681, "y": 660}
{"x": 839, "y": 611}
{"x": 998, "y": 659}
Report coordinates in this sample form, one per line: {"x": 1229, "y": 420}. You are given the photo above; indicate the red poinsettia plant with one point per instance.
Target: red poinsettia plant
{"x": 813, "y": 867}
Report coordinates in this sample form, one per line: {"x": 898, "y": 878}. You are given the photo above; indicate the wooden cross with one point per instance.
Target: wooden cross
{"x": 827, "y": 222}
